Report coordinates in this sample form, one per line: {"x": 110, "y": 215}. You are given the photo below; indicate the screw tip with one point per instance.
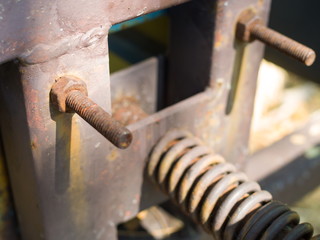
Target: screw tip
{"x": 310, "y": 58}
{"x": 124, "y": 139}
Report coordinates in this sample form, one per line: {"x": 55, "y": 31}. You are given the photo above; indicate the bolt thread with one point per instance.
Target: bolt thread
{"x": 111, "y": 129}
{"x": 284, "y": 44}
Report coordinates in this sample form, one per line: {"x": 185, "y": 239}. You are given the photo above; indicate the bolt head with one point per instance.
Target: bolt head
{"x": 245, "y": 22}
{"x": 62, "y": 87}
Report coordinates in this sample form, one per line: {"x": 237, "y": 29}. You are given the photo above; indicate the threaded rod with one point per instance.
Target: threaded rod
{"x": 111, "y": 129}
{"x": 284, "y": 44}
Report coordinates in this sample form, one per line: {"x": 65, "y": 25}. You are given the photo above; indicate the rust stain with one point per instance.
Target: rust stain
{"x": 219, "y": 40}
{"x": 35, "y": 119}
{"x": 33, "y": 145}
{"x": 127, "y": 110}
{"x": 113, "y": 155}
{"x": 110, "y": 5}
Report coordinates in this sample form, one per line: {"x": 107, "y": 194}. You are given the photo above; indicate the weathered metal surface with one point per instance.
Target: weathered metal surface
{"x": 68, "y": 182}
{"x": 134, "y": 91}
{"x": 240, "y": 77}
{"x": 127, "y": 110}
{"x": 62, "y": 87}
{"x": 70, "y": 94}
{"x": 139, "y": 82}
{"x": 54, "y": 183}
{"x": 290, "y": 167}
{"x": 203, "y": 114}
{"x": 250, "y": 27}
{"x": 43, "y": 30}
{"x": 100, "y": 120}
{"x": 204, "y": 52}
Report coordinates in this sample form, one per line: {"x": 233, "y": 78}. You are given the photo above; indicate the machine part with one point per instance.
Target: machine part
{"x": 50, "y": 164}
{"x": 22, "y": 26}
{"x": 224, "y": 201}
{"x": 70, "y": 94}
{"x": 250, "y": 27}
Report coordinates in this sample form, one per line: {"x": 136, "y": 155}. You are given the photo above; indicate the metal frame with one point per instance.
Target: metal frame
{"x": 68, "y": 181}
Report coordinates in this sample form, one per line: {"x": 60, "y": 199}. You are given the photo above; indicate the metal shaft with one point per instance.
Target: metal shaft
{"x": 284, "y": 44}
{"x": 114, "y": 131}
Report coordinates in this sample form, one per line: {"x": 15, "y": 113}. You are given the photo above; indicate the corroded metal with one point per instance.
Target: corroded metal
{"x": 51, "y": 174}
{"x": 62, "y": 88}
{"x": 127, "y": 110}
{"x": 37, "y": 31}
{"x": 224, "y": 201}
{"x": 250, "y": 27}
{"x": 113, "y": 130}
{"x": 70, "y": 94}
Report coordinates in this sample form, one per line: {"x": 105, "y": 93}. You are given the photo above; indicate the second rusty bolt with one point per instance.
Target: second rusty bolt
{"x": 70, "y": 94}
{"x": 250, "y": 27}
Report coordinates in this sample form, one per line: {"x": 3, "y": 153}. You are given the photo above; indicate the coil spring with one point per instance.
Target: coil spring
{"x": 222, "y": 200}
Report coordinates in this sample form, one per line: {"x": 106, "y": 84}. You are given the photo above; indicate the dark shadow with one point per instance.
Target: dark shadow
{"x": 301, "y": 22}
{"x": 190, "y": 49}
{"x": 17, "y": 145}
{"x": 62, "y": 149}
{"x": 133, "y": 230}
{"x": 9, "y": 218}
{"x": 296, "y": 179}
{"x": 236, "y": 74}
{"x": 134, "y": 46}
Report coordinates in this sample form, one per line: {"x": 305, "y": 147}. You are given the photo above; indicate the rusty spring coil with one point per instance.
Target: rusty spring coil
{"x": 214, "y": 194}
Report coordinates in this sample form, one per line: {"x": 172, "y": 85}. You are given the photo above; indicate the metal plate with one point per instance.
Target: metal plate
{"x": 138, "y": 82}
{"x": 41, "y": 30}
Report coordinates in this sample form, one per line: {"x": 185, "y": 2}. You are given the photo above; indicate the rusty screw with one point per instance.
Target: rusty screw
{"x": 250, "y": 27}
{"x": 69, "y": 94}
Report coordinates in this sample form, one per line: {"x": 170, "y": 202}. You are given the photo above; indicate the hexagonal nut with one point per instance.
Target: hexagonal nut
{"x": 62, "y": 87}
{"x": 245, "y": 22}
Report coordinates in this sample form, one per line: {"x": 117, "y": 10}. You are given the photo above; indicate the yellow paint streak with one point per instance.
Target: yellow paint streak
{"x": 77, "y": 184}
{"x": 113, "y": 155}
